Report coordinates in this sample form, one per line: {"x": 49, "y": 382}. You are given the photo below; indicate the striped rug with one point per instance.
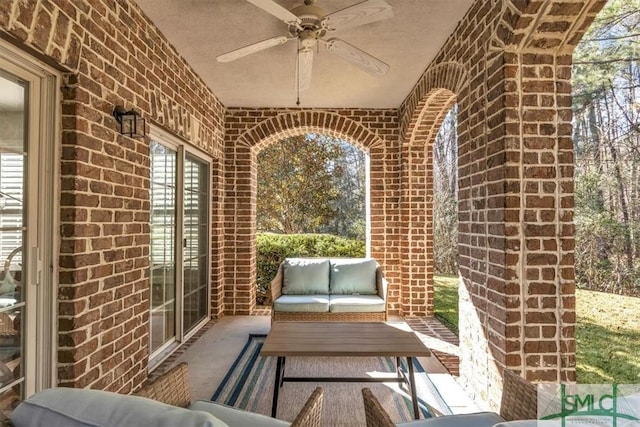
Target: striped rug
{"x": 249, "y": 385}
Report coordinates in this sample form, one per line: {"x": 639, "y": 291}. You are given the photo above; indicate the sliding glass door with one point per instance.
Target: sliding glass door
{"x": 163, "y": 218}
{"x": 196, "y": 241}
{"x": 26, "y": 228}
{"x": 179, "y": 259}
{"x": 14, "y": 157}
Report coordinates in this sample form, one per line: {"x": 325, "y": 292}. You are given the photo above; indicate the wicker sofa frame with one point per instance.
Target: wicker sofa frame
{"x": 519, "y": 402}
{"x": 173, "y": 388}
{"x": 382, "y": 286}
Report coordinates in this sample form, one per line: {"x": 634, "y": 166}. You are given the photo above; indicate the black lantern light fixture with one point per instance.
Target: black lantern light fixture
{"x": 131, "y": 124}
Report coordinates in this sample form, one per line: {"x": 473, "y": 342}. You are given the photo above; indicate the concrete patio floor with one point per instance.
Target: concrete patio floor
{"x": 213, "y": 350}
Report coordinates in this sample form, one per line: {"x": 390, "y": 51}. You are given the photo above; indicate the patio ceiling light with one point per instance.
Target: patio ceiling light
{"x": 131, "y": 123}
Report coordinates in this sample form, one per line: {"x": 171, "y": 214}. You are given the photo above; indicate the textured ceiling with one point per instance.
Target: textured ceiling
{"x": 202, "y": 29}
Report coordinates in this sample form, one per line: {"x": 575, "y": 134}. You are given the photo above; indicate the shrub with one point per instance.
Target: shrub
{"x": 272, "y": 249}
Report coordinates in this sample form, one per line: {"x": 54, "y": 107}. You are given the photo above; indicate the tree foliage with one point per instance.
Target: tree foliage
{"x": 606, "y": 80}
{"x": 312, "y": 184}
{"x": 445, "y": 196}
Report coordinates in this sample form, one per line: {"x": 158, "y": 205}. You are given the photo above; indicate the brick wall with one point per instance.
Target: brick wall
{"x": 251, "y": 130}
{"x": 515, "y": 162}
{"x": 111, "y": 54}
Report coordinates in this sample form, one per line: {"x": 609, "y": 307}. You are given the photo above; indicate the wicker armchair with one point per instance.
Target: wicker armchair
{"x": 519, "y": 402}
{"x": 173, "y": 388}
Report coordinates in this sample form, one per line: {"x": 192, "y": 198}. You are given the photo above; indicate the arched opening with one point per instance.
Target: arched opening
{"x": 445, "y": 221}
{"x": 418, "y": 199}
{"x": 241, "y": 199}
{"x": 311, "y": 201}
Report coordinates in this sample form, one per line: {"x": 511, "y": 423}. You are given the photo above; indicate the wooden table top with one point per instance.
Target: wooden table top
{"x": 342, "y": 339}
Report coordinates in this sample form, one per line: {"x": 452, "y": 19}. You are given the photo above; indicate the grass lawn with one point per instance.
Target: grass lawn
{"x": 607, "y": 333}
{"x": 608, "y": 338}
{"x": 446, "y": 301}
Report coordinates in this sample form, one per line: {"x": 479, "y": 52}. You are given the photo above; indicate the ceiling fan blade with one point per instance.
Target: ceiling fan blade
{"x": 276, "y": 10}
{"x": 305, "y": 65}
{"x": 357, "y": 57}
{"x": 252, "y": 48}
{"x": 362, "y": 13}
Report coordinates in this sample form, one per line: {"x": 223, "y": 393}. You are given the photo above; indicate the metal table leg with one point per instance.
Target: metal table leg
{"x": 412, "y": 385}
{"x": 276, "y": 385}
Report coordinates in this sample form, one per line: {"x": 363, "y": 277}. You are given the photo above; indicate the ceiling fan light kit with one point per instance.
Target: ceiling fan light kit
{"x": 309, "y": 25}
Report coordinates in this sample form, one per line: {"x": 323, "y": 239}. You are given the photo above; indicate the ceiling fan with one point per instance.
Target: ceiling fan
{"x": 309, "y": 24}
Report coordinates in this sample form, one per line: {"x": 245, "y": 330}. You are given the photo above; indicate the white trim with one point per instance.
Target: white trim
{"x": 367, "y": 202}
{"x": 43, "y": 244}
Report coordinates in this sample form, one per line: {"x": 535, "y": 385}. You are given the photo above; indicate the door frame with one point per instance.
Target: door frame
{"x": 44, "y": 139}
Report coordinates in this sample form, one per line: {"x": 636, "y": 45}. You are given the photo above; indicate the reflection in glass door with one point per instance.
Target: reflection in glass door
{"x": 196, "y": 238}
{"x": 163, "y": 248}
{"x": 13, "y": 229}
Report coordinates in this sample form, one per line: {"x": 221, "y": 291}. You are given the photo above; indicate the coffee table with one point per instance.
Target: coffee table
{"x": 335, "y": 339}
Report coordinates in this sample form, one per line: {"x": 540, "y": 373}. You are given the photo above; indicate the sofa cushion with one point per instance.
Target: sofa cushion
{"x": 236, "y": 417}
{"x": 356, "y": 304}
{"x": 71, "y": 407}
{"x": 302, "y": 303}
{"x": 353, "y": 276}
{"x": 304, "y": 276}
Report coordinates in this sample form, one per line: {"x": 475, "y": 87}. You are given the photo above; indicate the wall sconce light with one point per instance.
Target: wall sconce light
{"x": 131, "y": 124}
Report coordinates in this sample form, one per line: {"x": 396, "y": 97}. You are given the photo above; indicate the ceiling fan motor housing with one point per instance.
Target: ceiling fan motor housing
{"x": 309, "y": 15}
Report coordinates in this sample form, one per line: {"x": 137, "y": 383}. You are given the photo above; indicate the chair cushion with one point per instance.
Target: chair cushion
{"x": 479, "y": 419}
{"x": 69, "y": 407}
{"x": 305, "y": 276}
{"x": 302, "y": 303}
{"x": 353, "y": 276}
{"x": 356, "y": 304}
{"x": 236, "y": 417}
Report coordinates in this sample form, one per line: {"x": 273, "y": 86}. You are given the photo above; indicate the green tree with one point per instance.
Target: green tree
{"x": 350, "y": 206}
{"x": 304, "y": 186}
{"x": 606, "y": 79}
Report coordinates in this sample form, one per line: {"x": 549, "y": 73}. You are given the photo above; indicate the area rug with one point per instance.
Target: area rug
{"x": 249, "y": 385}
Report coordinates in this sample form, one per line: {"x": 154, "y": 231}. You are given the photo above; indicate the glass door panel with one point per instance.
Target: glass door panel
{"x": 13, "y": 182}
{"x": 163, "y": 248}
{"x": 196, "y": 238}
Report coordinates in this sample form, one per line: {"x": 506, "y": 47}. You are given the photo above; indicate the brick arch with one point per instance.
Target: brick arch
{"x": 553, "y": 26}
{"x": 291, "y": 124}
{"x": 444, "y": 80}
{"x": 239, "y": 292}
{"x": 430, "y": 116}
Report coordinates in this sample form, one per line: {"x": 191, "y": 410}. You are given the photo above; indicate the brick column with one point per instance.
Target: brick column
{"x": 517, "y": 305}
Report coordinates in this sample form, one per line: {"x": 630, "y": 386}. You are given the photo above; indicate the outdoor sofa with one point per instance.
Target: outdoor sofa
{"x": 166, "y": 402}
{"x": 329, "y": 289}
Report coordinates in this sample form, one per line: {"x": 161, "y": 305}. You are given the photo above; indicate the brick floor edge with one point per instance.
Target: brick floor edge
{"x": 432, "y": 327}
